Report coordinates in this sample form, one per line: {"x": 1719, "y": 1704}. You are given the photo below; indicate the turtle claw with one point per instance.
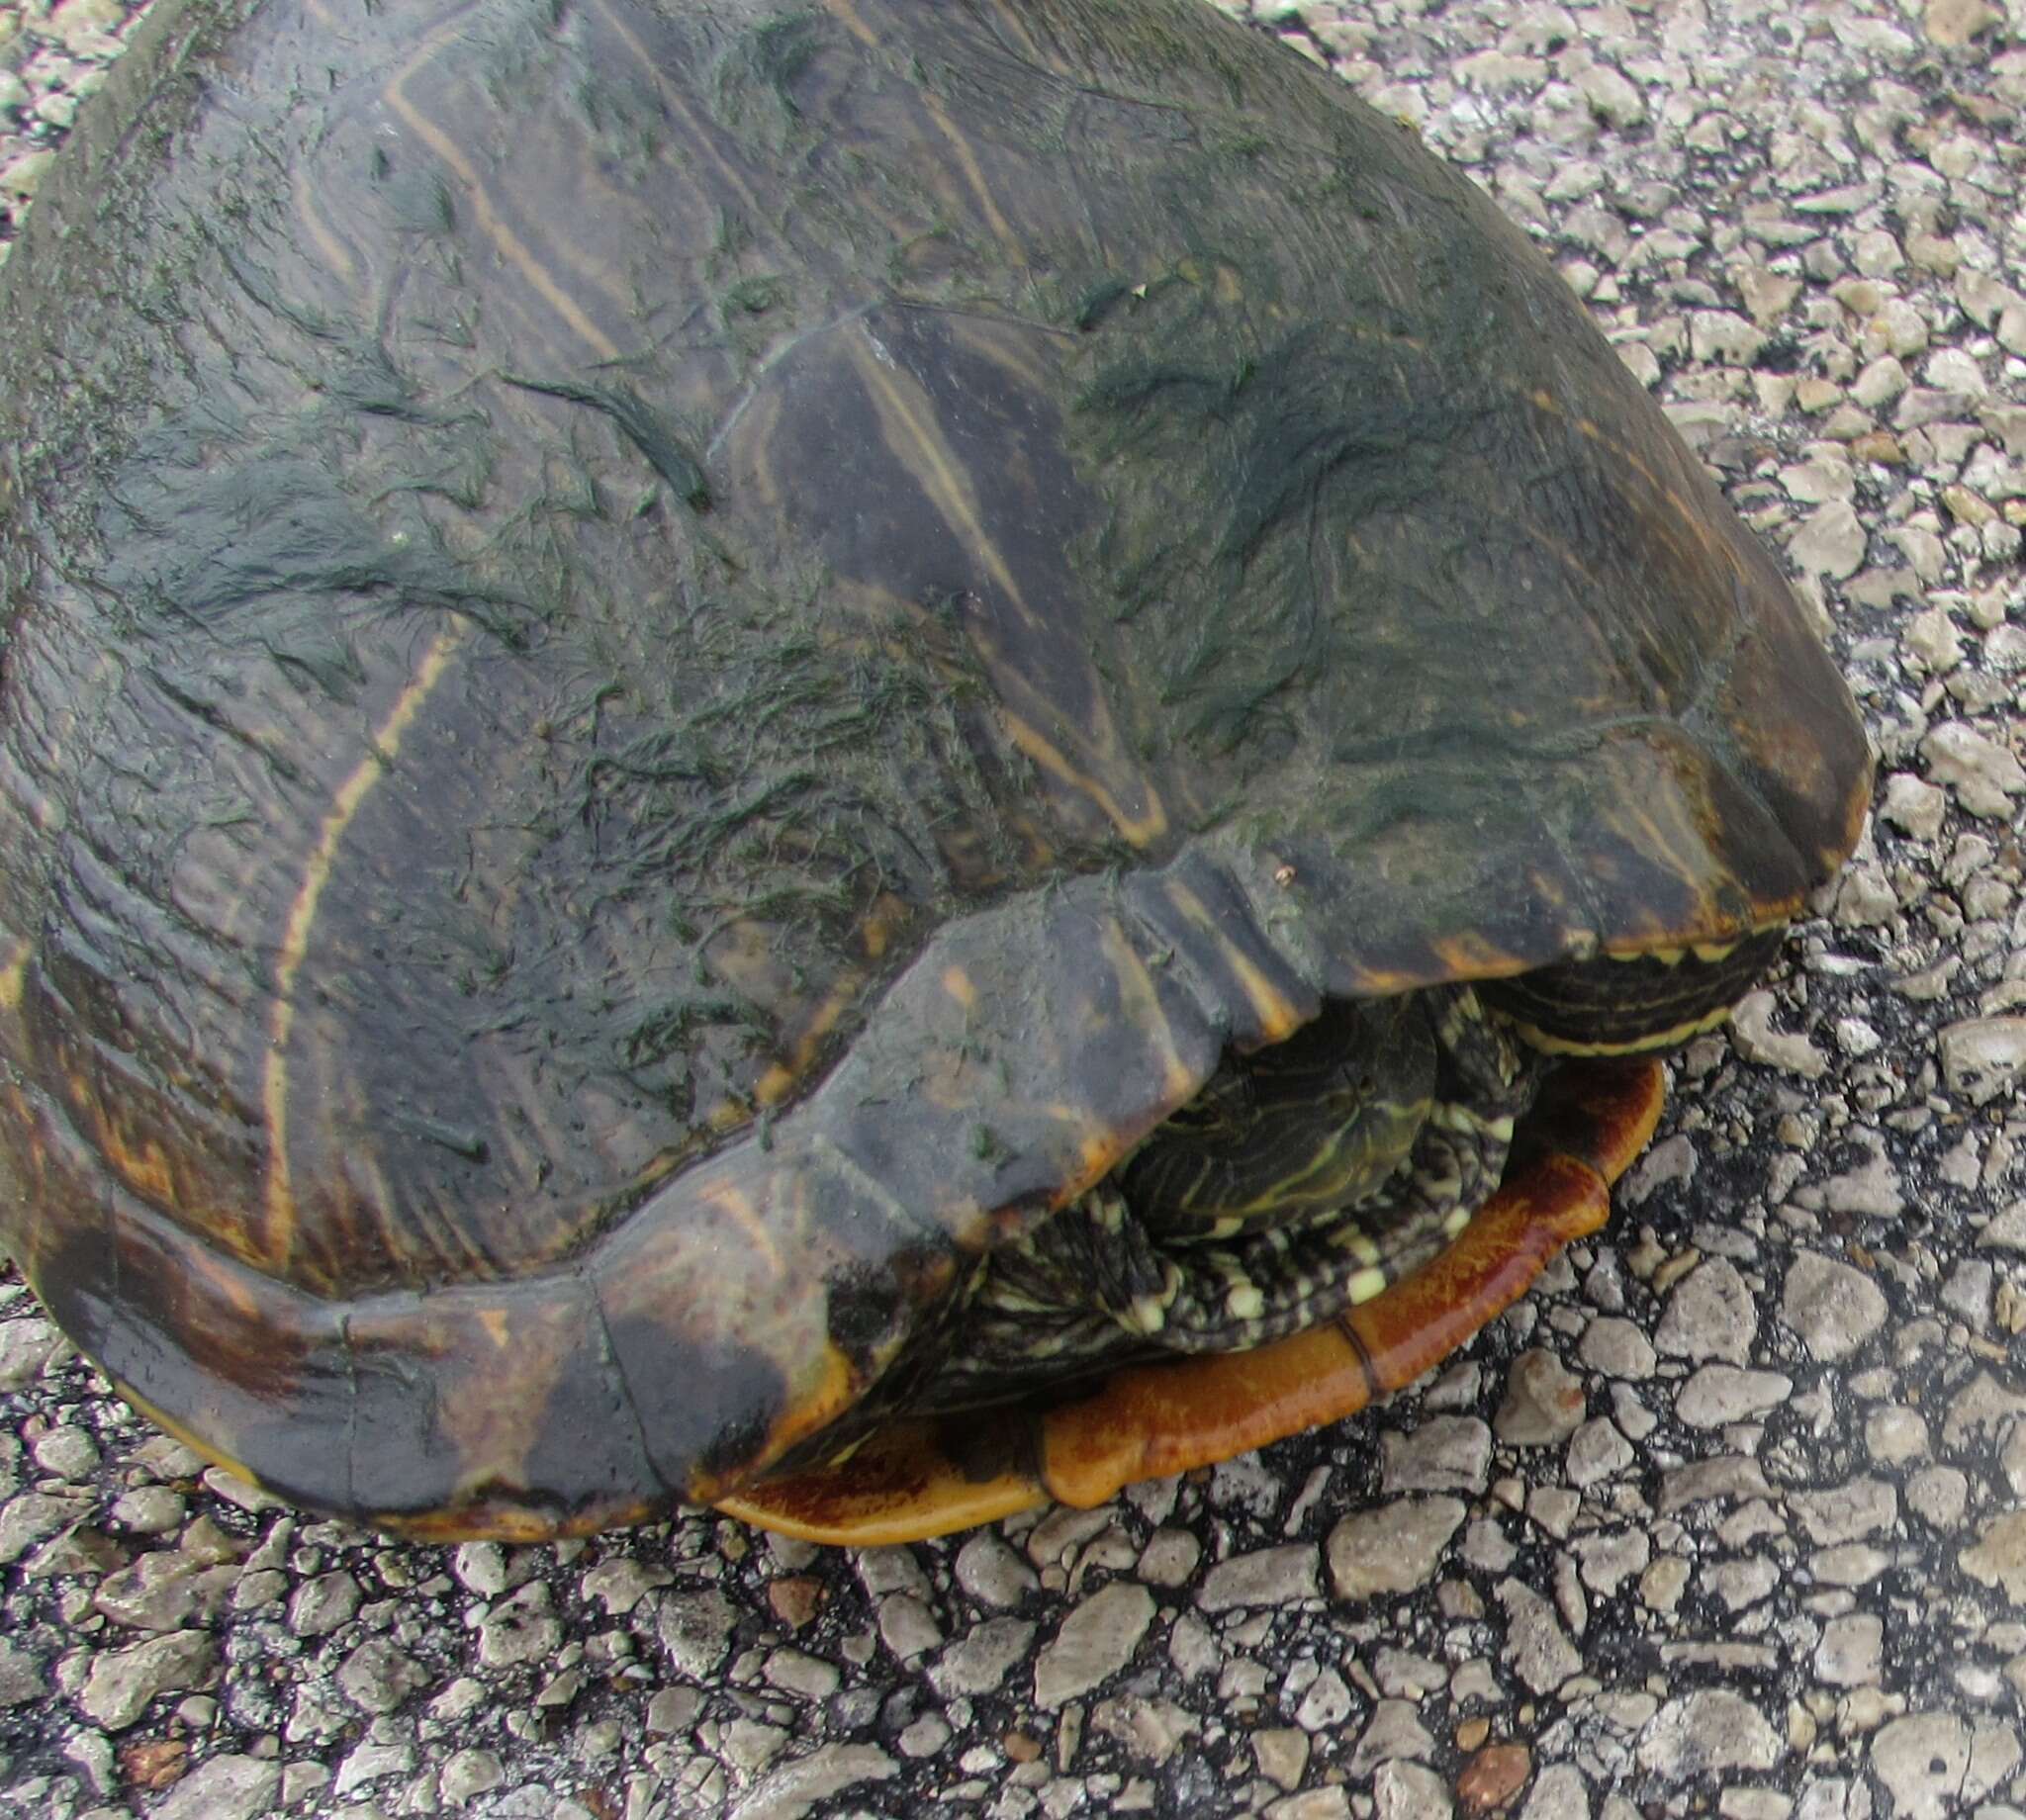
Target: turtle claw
{"x": 910, "y": 1482}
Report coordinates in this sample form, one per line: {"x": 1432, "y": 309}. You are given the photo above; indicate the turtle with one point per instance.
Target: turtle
{"x": 856, "y": 760}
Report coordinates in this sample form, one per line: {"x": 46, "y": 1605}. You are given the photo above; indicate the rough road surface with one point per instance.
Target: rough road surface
{"x": 1730, "y": 1517}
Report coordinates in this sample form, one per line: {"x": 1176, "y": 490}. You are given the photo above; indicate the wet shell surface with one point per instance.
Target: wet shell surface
{"x": 671, "y": 672}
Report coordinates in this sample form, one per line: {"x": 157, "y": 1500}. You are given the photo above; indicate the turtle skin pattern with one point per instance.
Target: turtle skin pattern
{"x": 671, "y": 666}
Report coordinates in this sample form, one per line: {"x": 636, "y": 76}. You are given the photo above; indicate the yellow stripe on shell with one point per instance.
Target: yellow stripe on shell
{"x": 957, "y": 144}
{"x": 888, "y": 913}
{"x": 1279, "y": 1017}
{"x": 729, "y": 1202}
{"x": 513, "y": 250}
{"x": 1470, "y": 956}
{"x": 724, "y": 175}
{"x": 940, "y": 472}
{"x": 14, "y": 974}
{"x": 778, "y": 1081}
{"x": 774, "y": 1085}
{"x": 1143, "y": 1006}
{"x": 1136, "y": 830}
{"x": 317, "y": 231}
{"x": 144, "y": 1167}
{"x": 278, "y": 1212}
{"x": 1695, "y": 521}
{"x": 866, "y": 1188}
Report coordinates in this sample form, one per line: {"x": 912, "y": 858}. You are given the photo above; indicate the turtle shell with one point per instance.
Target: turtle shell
{"x": 671, "y": 666}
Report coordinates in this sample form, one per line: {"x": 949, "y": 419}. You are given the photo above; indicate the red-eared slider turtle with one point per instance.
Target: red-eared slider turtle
{"x": 730, "y": 729}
